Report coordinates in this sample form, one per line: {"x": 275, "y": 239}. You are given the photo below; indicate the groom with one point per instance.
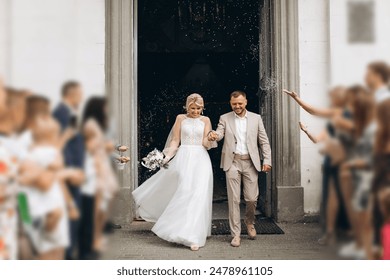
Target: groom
{"x": 246, "y": 143}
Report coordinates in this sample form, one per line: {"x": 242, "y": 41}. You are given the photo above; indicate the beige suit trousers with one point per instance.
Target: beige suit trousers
{"x": 242, "y": 170}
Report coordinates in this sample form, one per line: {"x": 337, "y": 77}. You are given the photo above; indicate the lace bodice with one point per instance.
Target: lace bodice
{"x": 192, "y": 130}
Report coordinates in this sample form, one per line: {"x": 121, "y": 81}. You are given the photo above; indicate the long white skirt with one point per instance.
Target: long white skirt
{"x": 179, "y": 199}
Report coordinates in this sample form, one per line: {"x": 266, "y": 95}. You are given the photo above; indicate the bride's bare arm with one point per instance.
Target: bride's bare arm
{"x": 207, "y": 128}
{"x": 319, "y": 112}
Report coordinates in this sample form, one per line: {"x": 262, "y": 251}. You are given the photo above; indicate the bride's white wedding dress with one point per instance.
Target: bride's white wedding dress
{"x": 179, "y": 199}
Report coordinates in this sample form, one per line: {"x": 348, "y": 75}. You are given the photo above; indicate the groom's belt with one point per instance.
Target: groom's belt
{"x": 238, "y": 156}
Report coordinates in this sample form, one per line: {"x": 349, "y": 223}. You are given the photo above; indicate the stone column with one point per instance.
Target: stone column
{"x": 121, "y": 88}
{"x": 285, "y": 114}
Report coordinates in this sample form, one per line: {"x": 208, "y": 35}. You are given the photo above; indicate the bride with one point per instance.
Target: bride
{"x": 179, "y": 199}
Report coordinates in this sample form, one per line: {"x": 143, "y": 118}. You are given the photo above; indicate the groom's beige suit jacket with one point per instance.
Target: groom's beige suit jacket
{"x": 257, "y": 140}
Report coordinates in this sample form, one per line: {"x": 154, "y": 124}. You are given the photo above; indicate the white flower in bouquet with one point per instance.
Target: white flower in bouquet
{"x": 154, "y": 160}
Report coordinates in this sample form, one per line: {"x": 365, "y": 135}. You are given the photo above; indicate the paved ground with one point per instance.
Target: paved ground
{"x": 298, "y": 242}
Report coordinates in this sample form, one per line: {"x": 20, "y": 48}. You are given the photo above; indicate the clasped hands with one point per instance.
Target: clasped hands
{"x": 212, "y": 136}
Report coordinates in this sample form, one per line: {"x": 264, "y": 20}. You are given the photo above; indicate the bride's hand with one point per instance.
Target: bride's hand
{"x": 165, "y": 161}
{"x": 293, "y": 94}
{"x": 212, "y": 136}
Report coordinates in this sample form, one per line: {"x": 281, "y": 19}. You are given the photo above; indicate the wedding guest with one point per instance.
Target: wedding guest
{"x": 119, "y": 161}
{"x": 11, "y": 120}
{"x": 385, "y": 230}
{"x": 8, "y": 217}
{"x": 101, "y": 185}
{"x": 50, "y": 208}
{"x": 38, "y": 105}
{"x": 381, "y": 182}
{"x": 115, "y": 150}
{"x": 3, "y": 95}
{"x": 377, "y": 79}
{"x": 360, "y": 168}
{"x": 35, "y": 105}
{"x": 66, "y": 114}
{"x": 88, "y": 198}
{"x": 332, "y": 200}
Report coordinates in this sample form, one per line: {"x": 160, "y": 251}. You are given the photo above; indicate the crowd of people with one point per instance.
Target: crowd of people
{"x": 57, "y": 175}
{"x": 356, "y": 166}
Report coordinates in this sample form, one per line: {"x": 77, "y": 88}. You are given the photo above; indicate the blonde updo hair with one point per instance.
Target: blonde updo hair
{"x": 196, "y": 99}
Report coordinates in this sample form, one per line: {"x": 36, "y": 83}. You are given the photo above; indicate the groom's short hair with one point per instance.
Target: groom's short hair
{"x": 237, "y": 93}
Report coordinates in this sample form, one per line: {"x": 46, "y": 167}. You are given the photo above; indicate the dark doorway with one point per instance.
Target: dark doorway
{"x": 208, "y": 47}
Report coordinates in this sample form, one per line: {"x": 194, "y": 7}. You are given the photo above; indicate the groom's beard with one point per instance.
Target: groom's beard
{"x": 239, "y": 111}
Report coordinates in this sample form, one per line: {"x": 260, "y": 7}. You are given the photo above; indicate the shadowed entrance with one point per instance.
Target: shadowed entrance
{"x": 208, "y": 47}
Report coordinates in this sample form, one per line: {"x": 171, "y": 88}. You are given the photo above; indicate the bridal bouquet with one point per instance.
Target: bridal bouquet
{"x": 154, "y": 160}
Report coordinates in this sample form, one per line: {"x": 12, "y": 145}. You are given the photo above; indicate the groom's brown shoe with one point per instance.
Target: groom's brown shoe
{"x": 251, "y": 231}
{"x": 236, "y": 242}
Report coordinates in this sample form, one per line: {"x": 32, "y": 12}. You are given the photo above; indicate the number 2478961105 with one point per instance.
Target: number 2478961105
{"x": 230, "y": 270}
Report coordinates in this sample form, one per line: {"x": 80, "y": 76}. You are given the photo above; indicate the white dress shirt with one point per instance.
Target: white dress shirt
{"x": 241, "y": 127}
